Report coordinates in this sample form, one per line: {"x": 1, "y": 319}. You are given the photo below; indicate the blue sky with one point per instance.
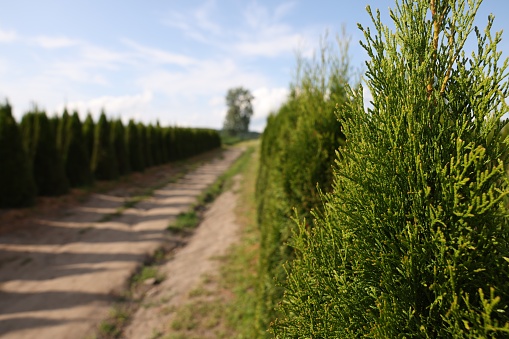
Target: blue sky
{"x": 171, "y": 61}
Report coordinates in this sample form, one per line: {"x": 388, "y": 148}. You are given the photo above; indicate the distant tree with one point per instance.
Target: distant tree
{"x": 119, "y": 143}
{"x": 239, "y": 111}
{"x": 88, "y": 134}
{"x": 134, "y": 147}
{"x": 46, "y": 161}
{"x": 104, "y": 160}
{"x": 76, "y": 156}
{"x": 62, "y": 131}
{"x": 17, "y": 185}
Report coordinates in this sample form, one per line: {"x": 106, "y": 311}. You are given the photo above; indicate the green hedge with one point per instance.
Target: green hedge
{"x": 298, "y": 150}
{"x": 17, "y": 184}
{"x": 61, "y": 152}
{"x": 413, "y": 240}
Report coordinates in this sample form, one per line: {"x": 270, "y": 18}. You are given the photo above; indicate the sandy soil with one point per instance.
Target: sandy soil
{"x": 214, "y": 236}
{"x": 60, "y": 275}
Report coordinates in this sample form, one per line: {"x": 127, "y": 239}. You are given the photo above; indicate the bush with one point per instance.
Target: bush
{"x": 89, "y": 135}
{"x": 76, "y": 158}
{"x": 297, "y": 153}
{"x": 134, "y": 147}
{"x": 413, "y": 240}
{"x": 118, "y": 139}
{"x": 104, "y": 160}
{"x": 45, "y": 160}
{"x": 17, "y": 185}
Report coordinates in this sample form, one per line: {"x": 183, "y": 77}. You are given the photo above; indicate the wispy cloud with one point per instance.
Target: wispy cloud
{"x": 7, "y": 36}
{"x": 50, "y": 42}
{"x": 129, "y": 106}
{"x": 157, "y": 55}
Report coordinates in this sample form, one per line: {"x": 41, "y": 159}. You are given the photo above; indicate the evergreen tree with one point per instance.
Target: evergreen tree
{"x": 17, "y": 185}
{"x": 46, "y": 161}
{"x": 144, "y": 137}
{"x": 134, "y": 147}
{"x": 413, "y": 241}
{"x": 104, "y": 160}
{"x": 89, "y": 134}
{"x": 76, "y": 157}
{"x": 118, "y": 138}
{"x": 62, "y": 131}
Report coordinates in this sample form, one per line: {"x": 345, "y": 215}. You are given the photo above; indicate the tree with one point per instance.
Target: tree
{"x": 88, "y": 134}
{"x": 46, "y": 161}
{"x": 118, "y": 139}
{"x": 104, "y": 160}
{"x": 134, "y": 147}
{"x": 240, "y": 110}
{"x": 17, "y": 185}
{"x": 413, "y": 240}
{"x": 76, "y": 157}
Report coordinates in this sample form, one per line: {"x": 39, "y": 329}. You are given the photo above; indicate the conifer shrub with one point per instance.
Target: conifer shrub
{"x": 17, "y": 185}
{"x": 413, "y": 240}
{"x": 62, "y": 124}
{"x": 298, "y": 150}
{"x": 76, "y": 157}
{"x": 104, "y": 159}
{"x": 134, "y": 147}
{"x": 45, "y": 160}
{"x": 89, "y": 135}
{"x": 145, "y": 138}
{"x": 118, "y": 139}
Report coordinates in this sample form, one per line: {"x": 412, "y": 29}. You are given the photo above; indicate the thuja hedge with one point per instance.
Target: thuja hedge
{"x": 413, "y": 242}
{"x": 298, "y": 149}
{"x": 17, "y": 185}
{"x": 48, "y": 155}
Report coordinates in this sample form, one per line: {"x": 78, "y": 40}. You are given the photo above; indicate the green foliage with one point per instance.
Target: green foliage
{"x": 145, "y": 139}
{"x": 76, "y": 157}
{"x": 297, "y": 153}
{"x": 413, "y": 240}
{"x": 134, "y": 147}
{"x": 118, "y": 139}
{"x": 104, "y": 160}
{"x": 45, "y": 160}
{"x": 240, "y": 110}
{"x": 61, "y": 130}
{"x": 89, "y": 134}
{"x": 17, "y": 185}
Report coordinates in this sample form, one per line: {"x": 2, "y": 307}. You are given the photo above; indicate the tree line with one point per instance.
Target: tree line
{"x": 390, "y": 221}
{"x": 46, "y": 156}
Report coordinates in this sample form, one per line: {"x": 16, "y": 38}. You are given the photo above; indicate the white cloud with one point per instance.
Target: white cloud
{"x": 266, "y": 101}
{"x": 208, "y": 77}
{"x": 49, "y": 42}
{"x": 7, "y": 36}
{"x": 158, "y": 55}
{"x": 127, "y": 106}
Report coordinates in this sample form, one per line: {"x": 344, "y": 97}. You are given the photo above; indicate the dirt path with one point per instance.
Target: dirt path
{"x": 216, "y": 233}
{"x": 59, "y": 278}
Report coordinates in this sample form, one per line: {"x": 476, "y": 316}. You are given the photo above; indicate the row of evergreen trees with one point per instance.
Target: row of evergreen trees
{"x": 47, "y": 156}
{"x": 297, "y": 153}
{"x": 412, "y": 240}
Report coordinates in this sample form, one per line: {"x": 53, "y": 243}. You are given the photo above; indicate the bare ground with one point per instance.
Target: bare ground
{"x": 60, "y": 275}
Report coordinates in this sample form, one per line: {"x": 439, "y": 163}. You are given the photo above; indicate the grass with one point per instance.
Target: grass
{"x": 223, "y": 305}
{"x": 185, "y": 220}
{"x": 191, "y": 218}
{"x": 146, "y": 273}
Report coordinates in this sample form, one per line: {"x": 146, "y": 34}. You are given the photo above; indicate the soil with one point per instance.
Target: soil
{"x": 60, "y": 271}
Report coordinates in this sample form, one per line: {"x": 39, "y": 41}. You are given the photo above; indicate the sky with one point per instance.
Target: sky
{"x": 172, "y": 61}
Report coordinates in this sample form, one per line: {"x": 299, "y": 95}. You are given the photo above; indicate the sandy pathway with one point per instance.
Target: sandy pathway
{"x": 214, "y": 236}
{"x": 58, "y": 279}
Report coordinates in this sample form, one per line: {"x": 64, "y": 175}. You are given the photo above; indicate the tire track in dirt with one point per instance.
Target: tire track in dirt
{"x": 59, "y": 279}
